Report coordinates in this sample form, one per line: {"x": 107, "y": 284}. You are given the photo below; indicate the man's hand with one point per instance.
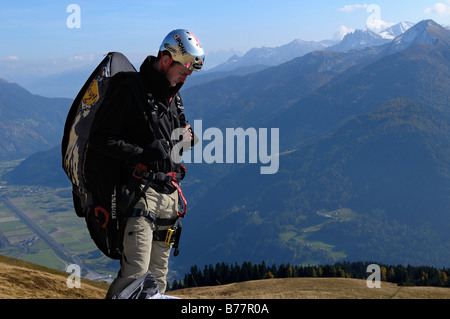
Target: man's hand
{"x": 187, "y": 135}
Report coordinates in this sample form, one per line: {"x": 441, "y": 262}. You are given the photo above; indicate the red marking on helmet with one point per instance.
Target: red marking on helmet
{"x": 195, "y": 37}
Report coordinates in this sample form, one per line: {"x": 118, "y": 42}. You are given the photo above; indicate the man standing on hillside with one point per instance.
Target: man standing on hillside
{"x": 122, "y": 133}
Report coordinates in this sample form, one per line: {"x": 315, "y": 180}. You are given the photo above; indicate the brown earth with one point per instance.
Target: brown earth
{"x": 22, "y": 280}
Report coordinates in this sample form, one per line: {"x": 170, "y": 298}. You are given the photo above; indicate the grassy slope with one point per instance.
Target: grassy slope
{"x": 311, "y": 288}
{"x": 23, "y": 280}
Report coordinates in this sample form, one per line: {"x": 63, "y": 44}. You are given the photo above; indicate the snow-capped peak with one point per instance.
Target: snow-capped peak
{"x": 396, "y": 30}
{"x": 419, "y": 33}
{"x": 359, "y": 39}
{"x": 426, "y": 31}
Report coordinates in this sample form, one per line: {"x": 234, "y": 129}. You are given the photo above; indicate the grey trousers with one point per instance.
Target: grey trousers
{"x": 140, "y": 252}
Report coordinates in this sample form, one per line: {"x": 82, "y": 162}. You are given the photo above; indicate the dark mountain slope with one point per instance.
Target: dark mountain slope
{"x": 252, "y": 99}
{"x": 420, "y": 72}
{"x": 28, "y": 123}
{"x": 41, "y": 168}
{"x": 394, "y": 161}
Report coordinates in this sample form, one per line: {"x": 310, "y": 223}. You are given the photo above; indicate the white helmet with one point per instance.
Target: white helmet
{"x": 184, "y": 48}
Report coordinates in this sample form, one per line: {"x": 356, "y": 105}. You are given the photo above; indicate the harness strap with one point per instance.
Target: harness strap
{"x": 152, "y": 216}
{"x": 160, "y": 235}
{"x": 170, "y": 236}
{"x": 182, "y": 200}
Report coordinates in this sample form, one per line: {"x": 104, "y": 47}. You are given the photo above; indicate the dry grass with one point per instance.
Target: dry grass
{"x": 22, "y": 280}
{"x": 311, "y": 288}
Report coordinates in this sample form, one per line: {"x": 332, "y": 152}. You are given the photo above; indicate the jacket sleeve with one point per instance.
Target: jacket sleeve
{"x": 107, "y": 134}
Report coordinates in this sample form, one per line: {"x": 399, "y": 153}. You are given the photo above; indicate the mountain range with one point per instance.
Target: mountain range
{"x": 364, "y": 158}
{"x": 270, "y": 56}
{"x": 29, "y": 123}
{"x": 66, "y": 84}
{"x": 284, "y": 53}
{"x": 260, "y": 58}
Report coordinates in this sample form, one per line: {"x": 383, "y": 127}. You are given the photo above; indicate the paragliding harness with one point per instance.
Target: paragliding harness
{"x": 142, "y": 175}
{"x": 107, "y": 208}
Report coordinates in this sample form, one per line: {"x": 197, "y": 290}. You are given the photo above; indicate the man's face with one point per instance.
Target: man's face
{"x": 177, "y": 73}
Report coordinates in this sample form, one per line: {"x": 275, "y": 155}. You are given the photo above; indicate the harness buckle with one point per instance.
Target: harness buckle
{"x": 139, "y": 170}
{"x": 170, "y": 240}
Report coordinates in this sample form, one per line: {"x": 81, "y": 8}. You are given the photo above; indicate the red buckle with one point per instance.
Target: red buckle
{"x": 104, "y": 212}
{"x": 139, "y": 170}
{"x": 173, "y": 175}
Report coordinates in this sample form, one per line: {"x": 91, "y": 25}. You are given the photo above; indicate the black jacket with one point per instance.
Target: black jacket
{"x": 120, "y": 131}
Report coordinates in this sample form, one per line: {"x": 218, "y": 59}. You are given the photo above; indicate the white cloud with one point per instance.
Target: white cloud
{"x": 374, "y": 21}
{"x": 12, "y": 58}
{"x": 353, "y": 7}
{"x": 343, "y": 31}
{"x": 82, "y": 58}
{"x": 440, "y": 8}
{"x": 378, "y": 25}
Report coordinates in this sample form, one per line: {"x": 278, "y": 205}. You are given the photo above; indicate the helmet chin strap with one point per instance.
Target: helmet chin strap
{"x": 164, "y": 69}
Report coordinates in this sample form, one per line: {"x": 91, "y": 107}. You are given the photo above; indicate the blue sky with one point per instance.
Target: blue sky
{"x": 35, "y": 32}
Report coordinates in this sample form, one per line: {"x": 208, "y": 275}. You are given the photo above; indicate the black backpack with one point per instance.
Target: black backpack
{"x": 101, "y": 214}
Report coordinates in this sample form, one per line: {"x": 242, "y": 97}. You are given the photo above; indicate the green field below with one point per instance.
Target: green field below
{"x": 52, "y": 209}
{"x": 298, "y": 236}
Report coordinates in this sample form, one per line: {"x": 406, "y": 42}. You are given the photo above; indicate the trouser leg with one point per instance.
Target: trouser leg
{"x": 165, "y": 207}
{"x": 159, "y": 263}
{"x": 138, "y": 239}
{"x": 141, "y": 253}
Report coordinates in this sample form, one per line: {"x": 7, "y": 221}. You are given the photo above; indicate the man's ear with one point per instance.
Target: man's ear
{"x": 166, "y": 61}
